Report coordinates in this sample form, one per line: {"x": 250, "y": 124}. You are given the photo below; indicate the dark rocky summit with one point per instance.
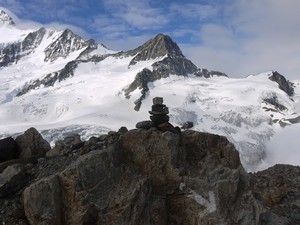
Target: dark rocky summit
{"x": 172, "y": 62}
{"x": 283, "y": 84}
{"x": 145, "y": 176}
{"x": 66, "y": 43}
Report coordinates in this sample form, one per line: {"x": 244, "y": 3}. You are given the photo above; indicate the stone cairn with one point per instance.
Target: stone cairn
{"x": 159, "y": 112}
{"x": 159, "y": 118}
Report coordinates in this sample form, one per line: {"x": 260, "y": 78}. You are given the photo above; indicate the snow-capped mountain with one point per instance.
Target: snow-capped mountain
{"x": 59, "y": 83}
{"x": 5, "y": 19}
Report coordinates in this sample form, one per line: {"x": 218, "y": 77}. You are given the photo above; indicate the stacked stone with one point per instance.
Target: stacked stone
{"x": 159, "y": 112}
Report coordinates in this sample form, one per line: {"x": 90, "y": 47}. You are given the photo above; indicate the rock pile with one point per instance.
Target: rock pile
{"x": 159, "y": 113}
{"x": 159, "y": 118}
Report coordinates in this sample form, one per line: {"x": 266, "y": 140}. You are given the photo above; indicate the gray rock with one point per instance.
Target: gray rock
{"x": 274, "y": 101}
{"x": 145, "y": 124}
{"x": 283, "y": 84}
{"x": 32, "y": 144}
{"x": 12, "y": 179}
{"x": 153, "y": 177}
{"x": 43, "y": 203}
{"x": 157, "y": 101}
{"x": 278, "y": 188}
{"x": 15, "y": 51}
{"x": 65, "y": 44}
{"x": 187, "y": 125}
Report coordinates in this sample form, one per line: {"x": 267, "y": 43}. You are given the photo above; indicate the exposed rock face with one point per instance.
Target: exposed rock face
{"x": 51, "y": 78}
{"x": 13, "y": 52}
{"x": 284, "y": 85}
{"x": 278, "y": 188}
{"x": 46, "y": 195}
{"x": 274, "y": 101}
{"x": 32, "y": 144}
{"x": 151, "y": 177}
{"x": 148, "y": 177}
{"x": 8, "y": 149}
{"x": 67, "y": 42}
{"x": 12, "y": 179}
{"x": 159, "y": 46}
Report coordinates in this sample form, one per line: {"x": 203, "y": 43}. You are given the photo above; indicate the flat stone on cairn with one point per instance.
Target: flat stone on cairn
{"x": 159, "y": 111}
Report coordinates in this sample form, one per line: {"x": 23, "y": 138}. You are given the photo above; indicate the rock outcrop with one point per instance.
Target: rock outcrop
{"x": 147, "y": 176}
{"x": 32, "y": 144}
{"x": 12, "y": 179}
{"x": 283, "y": 84}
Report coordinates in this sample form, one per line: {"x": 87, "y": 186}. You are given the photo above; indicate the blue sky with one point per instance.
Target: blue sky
{"x": 238, "y": 37}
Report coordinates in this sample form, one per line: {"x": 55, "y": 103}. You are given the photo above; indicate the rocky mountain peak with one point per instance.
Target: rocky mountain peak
{"x": 283, "y": 84}
{"x": 66, "y": 43}
{"x": 170, "y": 61}
{"x": 5, "y": 19}
{"x": 159, "y": 46}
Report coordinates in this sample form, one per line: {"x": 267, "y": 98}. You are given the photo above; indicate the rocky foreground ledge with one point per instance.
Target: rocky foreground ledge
{"x": 141, "y": 176}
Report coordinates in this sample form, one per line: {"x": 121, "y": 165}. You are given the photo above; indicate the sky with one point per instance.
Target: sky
{"x": 238, "y": 37}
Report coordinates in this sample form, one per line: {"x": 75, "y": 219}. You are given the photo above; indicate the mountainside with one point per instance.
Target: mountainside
{"x": 60, "y": 83}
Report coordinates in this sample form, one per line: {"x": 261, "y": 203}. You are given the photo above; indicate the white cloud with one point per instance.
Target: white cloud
{"x": 136, "y": 14}
{"x": 150, "y": 18}
{"x": 284, "y": 147}
{"x": 252, "y": 37}
{"x": 193, "y": 11}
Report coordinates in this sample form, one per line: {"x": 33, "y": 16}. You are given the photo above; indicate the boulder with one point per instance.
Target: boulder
{"x": 12, "y": 179}
{"x": 8, "y": 149}
{"x": 187, "y": 125}
{"x": 145, "y": 125}
{"x": 42, "y": 202}
{"x": 32, "y": 144}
